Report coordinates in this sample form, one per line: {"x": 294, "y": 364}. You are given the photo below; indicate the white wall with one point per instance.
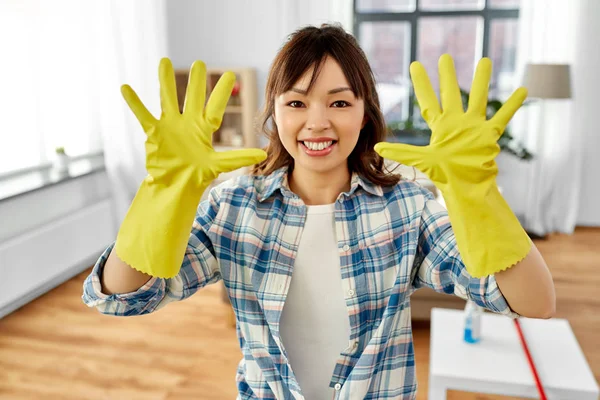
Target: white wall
{"x": 242, "y": 33}
{"x": 586, "y": 83}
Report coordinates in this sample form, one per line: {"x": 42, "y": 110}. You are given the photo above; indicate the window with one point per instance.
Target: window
{"x": 393, "y": 33}
{"x": 45, "y": 82}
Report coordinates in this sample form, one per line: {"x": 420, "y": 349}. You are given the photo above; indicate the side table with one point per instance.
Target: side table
{"x": 497, "y": 364}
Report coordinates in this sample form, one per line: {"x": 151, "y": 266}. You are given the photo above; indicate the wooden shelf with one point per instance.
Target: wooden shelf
{"x": 237, "y": 129}
{"x": 234, "y": 109}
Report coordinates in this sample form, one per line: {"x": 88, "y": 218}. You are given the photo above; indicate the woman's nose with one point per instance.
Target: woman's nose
{"x": 318, "y": 120}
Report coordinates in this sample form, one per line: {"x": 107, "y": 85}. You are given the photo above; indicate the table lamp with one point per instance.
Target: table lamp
{"x": 548, "y": 81}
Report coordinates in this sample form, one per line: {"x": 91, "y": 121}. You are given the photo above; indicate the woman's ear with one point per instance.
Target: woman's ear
{"x": 364, "y": 122}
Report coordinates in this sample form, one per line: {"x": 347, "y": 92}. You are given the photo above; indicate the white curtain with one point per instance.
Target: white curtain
{"x": 63, "y": 64}
{"x": 45, "y": 81}
{"x": 548, "y": 195}
{"x": 130, "y": 39}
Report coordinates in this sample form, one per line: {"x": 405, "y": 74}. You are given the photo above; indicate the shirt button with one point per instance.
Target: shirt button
{"x": 350, "y": 292}
{"x": 355, "y": 344}
{"x": 346, "y": 247}
{"x": 338, "y": 386}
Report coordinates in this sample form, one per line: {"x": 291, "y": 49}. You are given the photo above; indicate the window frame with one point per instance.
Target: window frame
{"x": 488, "y": 14}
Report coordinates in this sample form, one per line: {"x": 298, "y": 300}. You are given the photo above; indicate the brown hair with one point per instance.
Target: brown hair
{"x": 310, "y": 46}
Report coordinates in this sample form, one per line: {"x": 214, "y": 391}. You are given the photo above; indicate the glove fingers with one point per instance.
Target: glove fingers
{"x": 137, "y": 107}
{"x": 234, "y": 159}
{"x": 215, "y": 108}
{"x": 508, "y": 110}
{"x": 195, "y": 95}
{"x": 414, "y": 156}
{"x": 478, "y": 97}
{"x": 428, "y": 101}
{"x": 449, "y": 90}
{"x": 168, "y": 87}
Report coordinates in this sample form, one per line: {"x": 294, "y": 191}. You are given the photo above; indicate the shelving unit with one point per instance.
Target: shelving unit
{"x": 237, "y": 129}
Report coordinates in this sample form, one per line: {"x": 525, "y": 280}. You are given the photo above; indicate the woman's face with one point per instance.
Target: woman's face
{"x": 319, "y": 129}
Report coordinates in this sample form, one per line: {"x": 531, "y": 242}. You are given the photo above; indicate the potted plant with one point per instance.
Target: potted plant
{"x": 61, "y": 161}
{"x": 417, "y": 132}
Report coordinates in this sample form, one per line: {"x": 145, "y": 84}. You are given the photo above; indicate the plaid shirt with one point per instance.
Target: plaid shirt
{"x": 392, "y": 241}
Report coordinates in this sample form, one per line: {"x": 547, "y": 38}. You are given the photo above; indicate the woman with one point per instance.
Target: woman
{"x": 320, "y": 247}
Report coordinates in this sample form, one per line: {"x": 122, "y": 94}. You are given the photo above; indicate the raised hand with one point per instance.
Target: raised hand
{"x": 181, "y": 164}
{"x": 463, "y": 144}
{"x": 181, "y": 143}
{"x": 460, "y": 160}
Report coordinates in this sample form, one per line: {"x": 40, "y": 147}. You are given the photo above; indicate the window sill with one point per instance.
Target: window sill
{"x": 45, "y": 176}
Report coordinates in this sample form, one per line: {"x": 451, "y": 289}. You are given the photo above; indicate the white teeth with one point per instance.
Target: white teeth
{"x": 319, "y": 145}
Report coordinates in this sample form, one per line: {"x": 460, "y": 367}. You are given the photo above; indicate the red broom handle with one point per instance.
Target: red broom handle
{"x": 536, "y": 377}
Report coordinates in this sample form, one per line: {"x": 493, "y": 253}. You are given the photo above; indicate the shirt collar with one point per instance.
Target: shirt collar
{"x": 278, "y": 180}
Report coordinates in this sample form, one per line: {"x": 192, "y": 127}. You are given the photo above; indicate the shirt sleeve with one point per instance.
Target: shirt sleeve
{"x": 199, "y": 268}
{"x": 439, "y": 266}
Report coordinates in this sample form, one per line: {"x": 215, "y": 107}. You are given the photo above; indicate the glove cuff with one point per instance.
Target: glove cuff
{"x": 489, "y": 236}
{"x": 154, "y": 234}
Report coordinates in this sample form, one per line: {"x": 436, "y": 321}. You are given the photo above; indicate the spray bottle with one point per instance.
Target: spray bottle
{"x": 472, "y": 322}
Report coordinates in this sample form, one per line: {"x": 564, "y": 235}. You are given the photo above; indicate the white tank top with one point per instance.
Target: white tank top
{"x": 314, "y": 324}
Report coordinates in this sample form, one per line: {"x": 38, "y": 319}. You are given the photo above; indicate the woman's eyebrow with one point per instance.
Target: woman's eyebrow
{"x": 332, "y": 91}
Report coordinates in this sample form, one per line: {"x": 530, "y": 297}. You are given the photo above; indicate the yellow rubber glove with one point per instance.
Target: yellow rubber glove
{"x": 460, "y": 161}
{"x": 181, "y": 164}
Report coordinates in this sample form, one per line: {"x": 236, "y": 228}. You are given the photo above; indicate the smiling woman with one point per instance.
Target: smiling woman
{"x": 321, "y": 91}
{"x": 320, "y": 247}
{"x": 319, "y": 129}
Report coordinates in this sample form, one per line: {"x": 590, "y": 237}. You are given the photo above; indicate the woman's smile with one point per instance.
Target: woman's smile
{"x": 318, "y": 147}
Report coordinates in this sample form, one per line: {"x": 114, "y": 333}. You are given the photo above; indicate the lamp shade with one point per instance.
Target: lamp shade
{"x": 548, "y": 81}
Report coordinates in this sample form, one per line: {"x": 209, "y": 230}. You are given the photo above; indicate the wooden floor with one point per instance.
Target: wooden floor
{"x": 56, "y": 348}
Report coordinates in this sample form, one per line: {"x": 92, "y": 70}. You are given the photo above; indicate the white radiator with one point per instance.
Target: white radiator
{"x": 48, "y": 236}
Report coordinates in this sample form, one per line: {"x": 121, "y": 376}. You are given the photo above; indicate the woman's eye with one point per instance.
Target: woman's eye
{"x": 295, "y": 104}
{"x": 340, "y": 104}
